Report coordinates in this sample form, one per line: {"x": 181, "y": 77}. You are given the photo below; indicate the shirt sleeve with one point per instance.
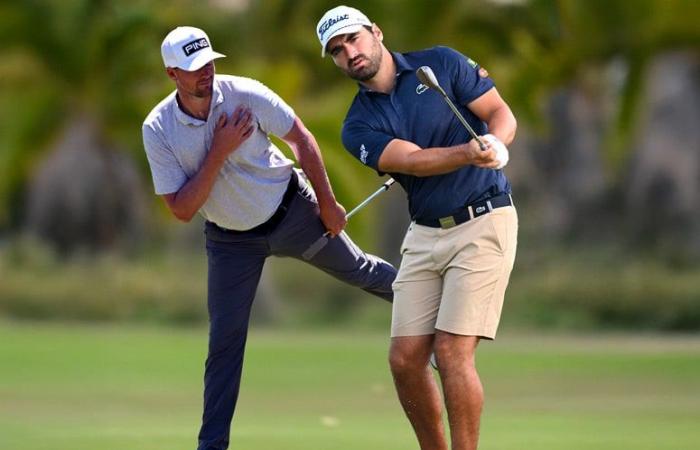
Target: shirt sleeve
{"x": 364, "y": 143}
{"x": 274, "y": 115}
{"x": 168, "y": 176}
{"x": 467, "y": 84}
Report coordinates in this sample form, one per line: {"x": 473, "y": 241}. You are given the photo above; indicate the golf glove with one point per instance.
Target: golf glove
{"x": 502, "y": 154}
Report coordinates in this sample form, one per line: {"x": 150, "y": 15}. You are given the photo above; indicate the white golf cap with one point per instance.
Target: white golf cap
{"x": 187, "y": 48}
{"x": 339, "y": 20}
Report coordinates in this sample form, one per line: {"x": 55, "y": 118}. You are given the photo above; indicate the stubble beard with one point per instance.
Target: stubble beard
{"x": 370, "y": 70}
{"x": 202, "y": 92}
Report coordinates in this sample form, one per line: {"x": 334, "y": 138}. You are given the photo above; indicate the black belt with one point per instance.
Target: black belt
{"x": 468, "y": 212}
{"x": 279, "y": 214}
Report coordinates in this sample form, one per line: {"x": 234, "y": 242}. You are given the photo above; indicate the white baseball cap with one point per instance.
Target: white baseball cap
{"x": 339, "y": 20}
{"x": 187, "y": 48}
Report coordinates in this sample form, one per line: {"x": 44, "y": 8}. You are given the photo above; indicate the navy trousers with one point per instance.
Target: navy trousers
{"x": 235, "y": 262}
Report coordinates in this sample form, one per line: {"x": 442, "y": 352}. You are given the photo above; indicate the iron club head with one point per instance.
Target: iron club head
{"x": 427, "y": 77}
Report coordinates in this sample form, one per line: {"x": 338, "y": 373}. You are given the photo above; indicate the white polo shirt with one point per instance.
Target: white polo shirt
{"x": 252, "y": 181}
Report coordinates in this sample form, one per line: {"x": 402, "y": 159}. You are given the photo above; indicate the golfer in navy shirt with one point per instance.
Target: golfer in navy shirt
{"x": 460, "y": 247}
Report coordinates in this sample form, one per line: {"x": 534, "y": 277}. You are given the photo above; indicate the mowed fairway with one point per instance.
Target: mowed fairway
{"x": 77, "y": 387}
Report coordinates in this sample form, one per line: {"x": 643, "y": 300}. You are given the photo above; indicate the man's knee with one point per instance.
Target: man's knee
{"x": 409, "y": 354}
{"x": 454, "y": 349}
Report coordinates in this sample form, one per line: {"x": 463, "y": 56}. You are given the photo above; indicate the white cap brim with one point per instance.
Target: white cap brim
{"x": 201, "y": 60}
{"x": 353, "y": 28}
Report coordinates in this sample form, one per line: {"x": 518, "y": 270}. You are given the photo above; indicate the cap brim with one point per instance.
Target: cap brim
{"x": 354, "y": 28}
{"x": 201, "y": 60}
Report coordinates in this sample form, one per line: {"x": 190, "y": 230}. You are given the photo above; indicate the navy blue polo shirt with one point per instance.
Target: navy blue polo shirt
{"x": 414, "y": 113}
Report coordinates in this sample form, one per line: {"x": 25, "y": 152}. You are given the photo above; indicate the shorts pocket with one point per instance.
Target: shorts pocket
{"x": 405, "y": 242}
{"x": 500, "y": 223}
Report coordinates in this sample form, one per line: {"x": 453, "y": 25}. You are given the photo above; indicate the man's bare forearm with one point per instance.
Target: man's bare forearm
{"x": 502, "y": 124}
{"x": 308, "y": 154}
{"x": 192, "y": 195}
{"x": 311, "y": 163}
{"x": 401, "y": 156}
{"x": 436, "y": 160}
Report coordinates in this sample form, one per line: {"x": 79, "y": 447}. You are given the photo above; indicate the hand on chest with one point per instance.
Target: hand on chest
{"x": 194, "y": 142}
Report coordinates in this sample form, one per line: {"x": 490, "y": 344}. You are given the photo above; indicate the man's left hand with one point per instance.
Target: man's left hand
{"x": 502, "y": 154}
{"x": 333, "y": 218}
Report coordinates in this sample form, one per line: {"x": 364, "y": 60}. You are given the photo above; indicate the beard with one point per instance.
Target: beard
{"x": 202, "y": 90}
{"x": 370, "y": 70}
{"x": 201, "y": 93}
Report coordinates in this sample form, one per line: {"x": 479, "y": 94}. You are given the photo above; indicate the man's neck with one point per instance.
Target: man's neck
{"x": 385, "y": 80}
{"x": 197, "y": 107}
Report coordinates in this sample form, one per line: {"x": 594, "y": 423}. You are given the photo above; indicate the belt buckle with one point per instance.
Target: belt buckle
{"x": 447, "y": 222}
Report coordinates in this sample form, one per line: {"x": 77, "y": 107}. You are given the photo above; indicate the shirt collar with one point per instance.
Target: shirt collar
{"x": 402, "y": 65}
{"x": 217, "y": 98}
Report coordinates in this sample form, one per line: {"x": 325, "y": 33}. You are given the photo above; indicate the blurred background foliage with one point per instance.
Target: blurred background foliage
{"x": 605, "y": 168}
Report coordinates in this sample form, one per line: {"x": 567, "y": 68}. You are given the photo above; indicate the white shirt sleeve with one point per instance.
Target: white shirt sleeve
{"x": 274, "y": 115}
{"x": 168, "y": 176}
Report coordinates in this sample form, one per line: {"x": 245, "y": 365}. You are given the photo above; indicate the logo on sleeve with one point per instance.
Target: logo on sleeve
{"x": 472, "y": 63}
{"x": 363, "y": 154}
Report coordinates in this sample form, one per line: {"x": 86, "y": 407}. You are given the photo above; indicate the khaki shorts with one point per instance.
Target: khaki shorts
{"x": 455, "y": 279}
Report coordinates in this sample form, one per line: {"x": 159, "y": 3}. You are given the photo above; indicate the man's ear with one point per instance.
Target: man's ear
{"x": 171, "y": 73}
{"x": 377, "y": 32}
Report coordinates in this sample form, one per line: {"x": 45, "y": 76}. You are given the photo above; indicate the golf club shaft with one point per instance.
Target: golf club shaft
{"x": 464, "y": 122}
{"x": 426, "y": 76}
{"x": 384, "y": 187}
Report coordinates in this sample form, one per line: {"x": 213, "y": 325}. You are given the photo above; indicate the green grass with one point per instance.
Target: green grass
{"x": 86, "y": 387}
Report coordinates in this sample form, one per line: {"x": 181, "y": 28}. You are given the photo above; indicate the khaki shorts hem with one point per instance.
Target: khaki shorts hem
{"x": 409, "y": 333}
{"x": 486, "y": 334}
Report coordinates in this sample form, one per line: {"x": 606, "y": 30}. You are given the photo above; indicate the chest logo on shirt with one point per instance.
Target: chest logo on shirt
{"x": 421, "y": 88}
{"x": 363, "y": 154}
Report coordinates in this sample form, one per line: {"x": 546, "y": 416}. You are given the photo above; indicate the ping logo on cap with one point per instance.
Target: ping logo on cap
{"x": 195, "y": 46}
{"x": 330, "y": 22}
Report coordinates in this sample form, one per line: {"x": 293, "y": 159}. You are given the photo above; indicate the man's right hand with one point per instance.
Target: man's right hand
{"x": 231, "y": 132}
{"x": 485, "y": 159}
{"x": 333, "y": 218}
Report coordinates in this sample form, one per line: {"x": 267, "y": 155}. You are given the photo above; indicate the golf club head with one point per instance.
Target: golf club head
{"x": 427, "y": 77}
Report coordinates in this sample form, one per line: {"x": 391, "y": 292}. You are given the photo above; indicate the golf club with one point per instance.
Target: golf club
{"x": 323, "y": 240}
{"x": 427, "y": 77}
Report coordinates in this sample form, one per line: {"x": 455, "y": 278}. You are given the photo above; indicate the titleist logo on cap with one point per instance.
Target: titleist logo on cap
{"x": 195, "y": 46}
{"x": 330, "y": 22}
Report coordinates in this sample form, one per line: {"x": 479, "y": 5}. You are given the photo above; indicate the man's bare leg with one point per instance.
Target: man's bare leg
{"x": 417, "y": 389}
{"x": 464, "y": 395}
